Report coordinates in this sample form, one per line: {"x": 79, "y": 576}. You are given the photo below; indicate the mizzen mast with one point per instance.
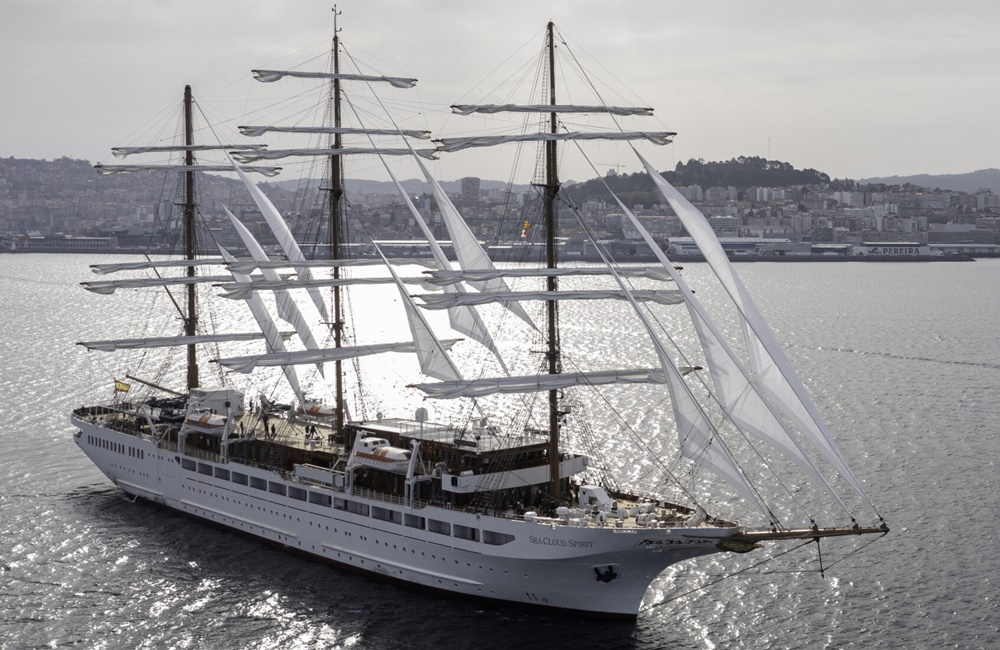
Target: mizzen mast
{"x": 336, "y": 194}
{"x": 190, "y": 319}
{"x": 552, "y": 283}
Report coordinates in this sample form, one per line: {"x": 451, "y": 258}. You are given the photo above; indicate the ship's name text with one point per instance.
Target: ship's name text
{"x": 569, "y": 543}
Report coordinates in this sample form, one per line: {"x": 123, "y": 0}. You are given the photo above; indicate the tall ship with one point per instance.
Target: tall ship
{"x": 532, "y": 492}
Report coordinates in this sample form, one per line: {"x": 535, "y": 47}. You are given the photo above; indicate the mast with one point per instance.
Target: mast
{"x": 190, "y": 320}
{"x": 551, "y": 283}
{"x": 336, "y": 193}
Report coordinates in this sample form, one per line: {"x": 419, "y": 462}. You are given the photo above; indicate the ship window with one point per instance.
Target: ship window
{"x": 385, "y": 514}
{"x": 205, "y": 469}
{"x": 276, "y": 488}
{"x": 296, "y": 493}
{"x": 187, "y": 463}
{"x": 340, "y": 504}
{"x": 239, "y": 478}
{"x": 320, "y": 499}
{"x": 496, "y": 539}
{"x": 357, "y": 508}
{"x": 258, "y": 483}
{"x": 222, "y": 473}
{"x": 464, "y": 532}
{"x": 440, "y": 527}
{"x": 413, "y": 521}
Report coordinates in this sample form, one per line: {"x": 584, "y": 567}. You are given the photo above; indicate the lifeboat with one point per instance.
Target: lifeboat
{"x": 318, "y": 410}
{"x": 206, "y": 421}
{"x": 377, "y": 453}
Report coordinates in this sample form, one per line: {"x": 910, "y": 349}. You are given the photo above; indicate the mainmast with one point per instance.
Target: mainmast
{"x": 551, "y": 283}
{"x": 336, "y": 193}
{"x": 190, "y": 320}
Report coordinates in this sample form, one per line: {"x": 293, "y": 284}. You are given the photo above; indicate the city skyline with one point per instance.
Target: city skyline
{"x": 870, "y": 90}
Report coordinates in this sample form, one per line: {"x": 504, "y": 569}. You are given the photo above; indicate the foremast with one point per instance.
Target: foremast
{"x": 188, "y": 312}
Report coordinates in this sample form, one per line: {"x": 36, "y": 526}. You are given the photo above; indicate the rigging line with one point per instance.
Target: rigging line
{"x": 724, "y": 577}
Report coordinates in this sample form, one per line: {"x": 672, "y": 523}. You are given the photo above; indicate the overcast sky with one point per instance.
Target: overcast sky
{"x": 854, "y": 89}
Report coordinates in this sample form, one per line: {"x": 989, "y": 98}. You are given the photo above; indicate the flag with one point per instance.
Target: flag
{"x": 122, "y": 387}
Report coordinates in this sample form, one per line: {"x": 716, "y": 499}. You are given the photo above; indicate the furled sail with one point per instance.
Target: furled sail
{"x": 125, "y": 169}
{"x": 537, "y": 383}
{"x": 448, "y": 277}
{"x": 458, "y": 144}
{"x": 469, "y": 109}
{"x": 171, "y": 341}
{"x": 452, "y": 299}
{"x": 773, "y": 373}
{"x": 275, "y": 154}
{"x": 122, "y": 152}
{"x": 108, "y": 287}
{"x": 267, "y": 76}
{"x": 244, "y": 266}
{"x": 266, "y": 324}
{"x": 240, "y": 290}
{"x": 284, "y": 236}
{"x": 256, "y": 131}
{"x": 248, "y": 363}
{"x": 104, "y": 269}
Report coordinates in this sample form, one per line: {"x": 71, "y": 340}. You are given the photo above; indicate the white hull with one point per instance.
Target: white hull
{"x": 511, "y": 560}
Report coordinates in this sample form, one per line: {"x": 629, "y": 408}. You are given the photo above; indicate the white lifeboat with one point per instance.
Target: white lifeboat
{"x": 205, "y": 420}
{"x": 318, "y": 410}
{"x": 377, "y": 453}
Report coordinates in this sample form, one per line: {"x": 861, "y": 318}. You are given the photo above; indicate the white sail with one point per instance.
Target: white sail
{"x": 537, "y": 383}
{"x": 470, "y": 254}
{"x": 469, "y": 109}
{"x": 462, "y": 318}
{"x": 256, "y": 131}
{"x": 268, "y": 76}
{"x": 266, "y": 324}
{"x": 737, "y": 393}
{"x": 449, "y": 145}
{"x": 246, "y": 364}
{"x": 112, "y": 345}
{"x": 434, "y": 359}
{"x": 288, "y": 310}
{"x": 284, "y": 236}
{"x": 450, "y": 300}
{"x": 699, "y": 441}
{"x": 773, "y": 373}
{"x": 448, "y": 277}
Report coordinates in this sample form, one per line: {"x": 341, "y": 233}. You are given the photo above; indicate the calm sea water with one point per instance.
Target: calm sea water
{"x": 903, "y": 360}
